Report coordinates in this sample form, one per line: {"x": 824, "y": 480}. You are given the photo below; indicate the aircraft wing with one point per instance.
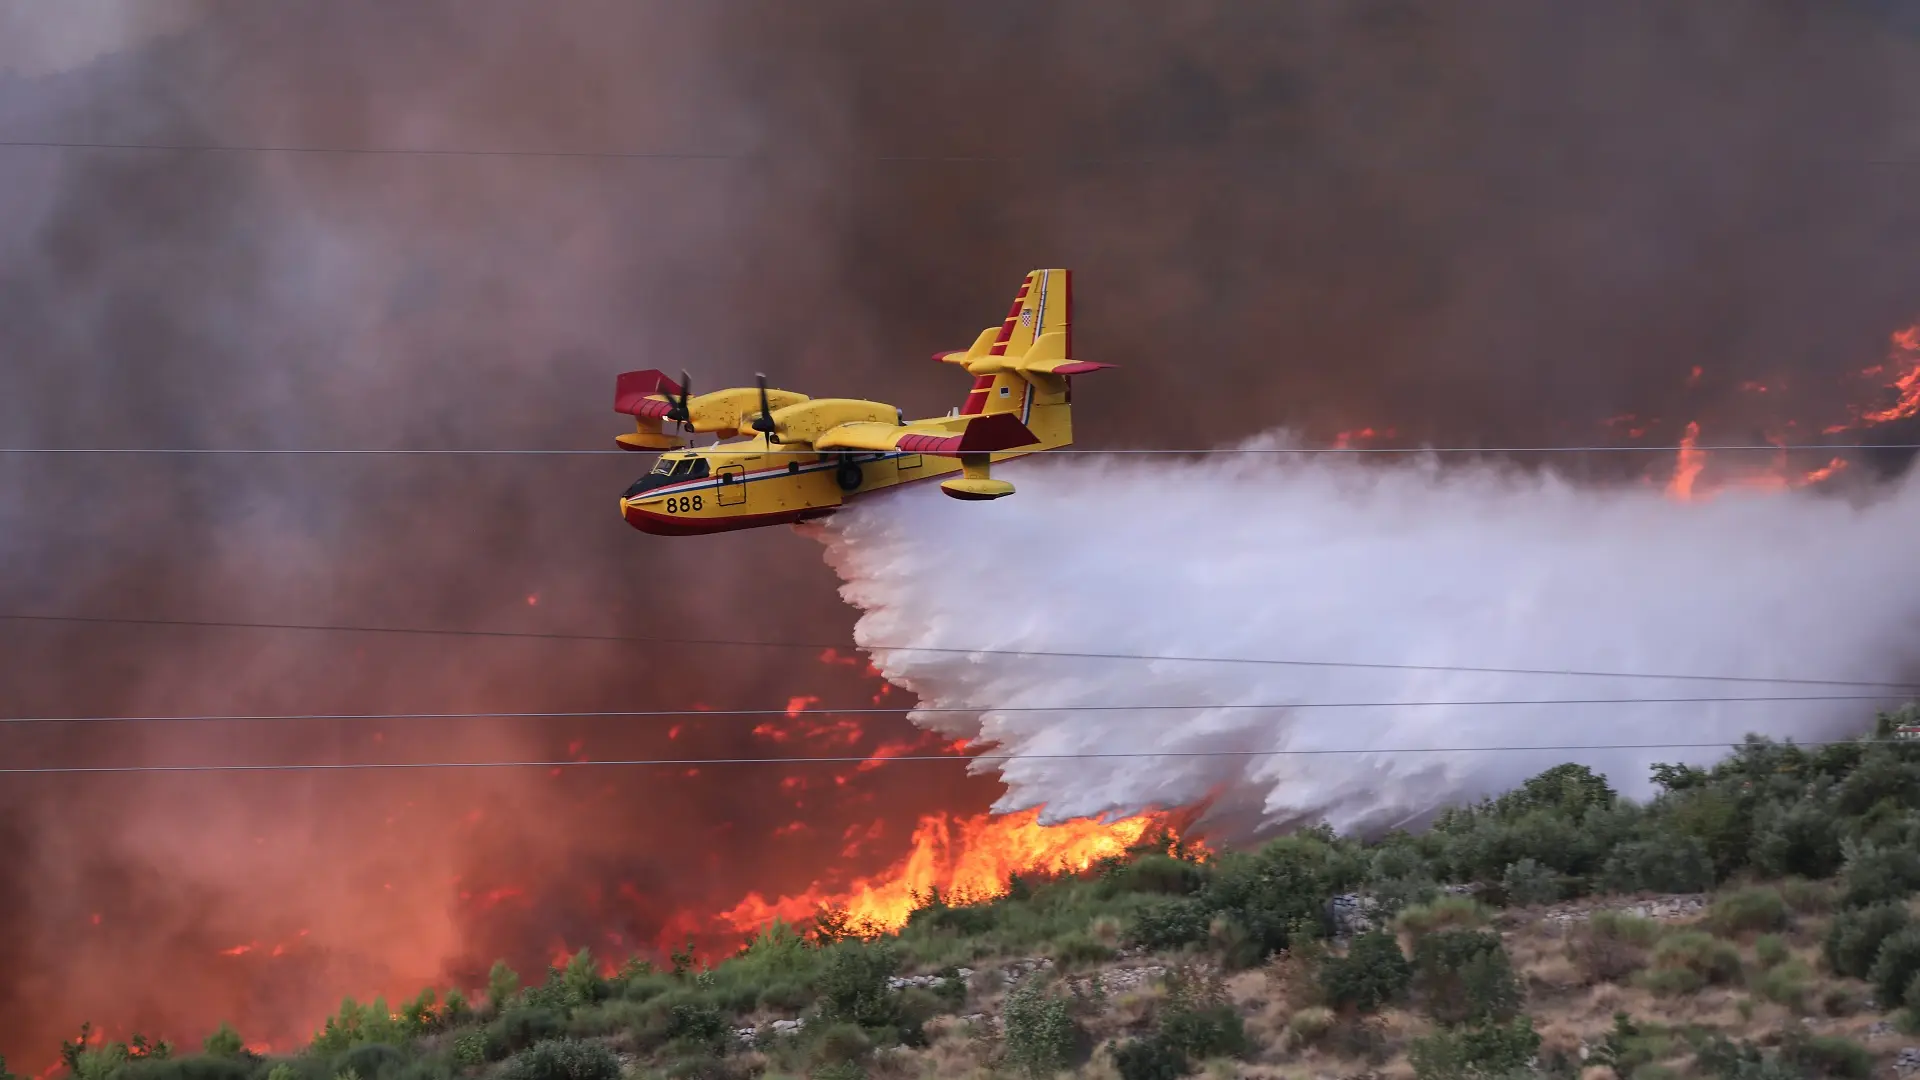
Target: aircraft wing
{"x": 950, "y": 437}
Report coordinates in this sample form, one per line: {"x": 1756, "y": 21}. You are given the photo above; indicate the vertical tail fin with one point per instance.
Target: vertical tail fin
{"x": 1039, "y": 323}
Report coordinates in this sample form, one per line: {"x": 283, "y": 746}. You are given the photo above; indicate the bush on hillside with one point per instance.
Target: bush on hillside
{"x": 1786, "y": 984}
{"x": 1444, "y": 913}
{"x": 1169, "y": 924}
{"x": 1527, "y": 883}
{"x": 1199, "y": 1020}
{"x": 1280, "y": 891}
{"x": 1874, "y": 874}
{"x": 1040, "y": 1033}
{"x": 853, "y": 985}
{"x": 1678, "y": 864}
{"x": 1688, "y": 960}
{"x": 1151, "y": 1058}
{"x": 1799, "y": 839}
{"x": 1854, "y": 937}
{"x": 1473, "y": 1053}
{"x": 1465, "y": 976}
{"x": 1751, "y": 910}
{"x": 1612, "y": 945}
{"x": 1895, "y": 967}
{"x": 562, "y": 1059}
{"x": 1372, "y": 974}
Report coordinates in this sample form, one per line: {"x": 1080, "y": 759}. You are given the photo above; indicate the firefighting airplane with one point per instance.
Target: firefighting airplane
{"x": 806, "y": 456}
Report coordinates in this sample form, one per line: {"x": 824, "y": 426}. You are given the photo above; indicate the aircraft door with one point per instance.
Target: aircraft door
{"x": 733, "y": 485}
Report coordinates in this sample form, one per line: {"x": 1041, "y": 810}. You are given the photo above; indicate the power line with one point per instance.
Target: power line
{"x": 898, "y": 710}
{"x": 688, "y": 155}
{"x": 885, "y": 760}
{"x": 944, "y": 650}
{"x": 1198, "y": 451}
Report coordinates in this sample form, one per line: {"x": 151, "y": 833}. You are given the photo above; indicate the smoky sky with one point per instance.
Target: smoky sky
{"x": 1480, "y": 223}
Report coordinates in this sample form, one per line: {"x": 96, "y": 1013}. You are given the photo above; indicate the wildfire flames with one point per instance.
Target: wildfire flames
{"x": 959, "y": 859}
{"x": 1902, "y": 362}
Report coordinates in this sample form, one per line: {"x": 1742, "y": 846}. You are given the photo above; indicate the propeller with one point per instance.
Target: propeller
{"x": 763, "y": 423}
{"x": 678, "y": 409}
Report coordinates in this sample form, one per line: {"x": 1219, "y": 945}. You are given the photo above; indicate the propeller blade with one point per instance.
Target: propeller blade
{"x": 764, "y": 422}
{"x": 679, "y": 408}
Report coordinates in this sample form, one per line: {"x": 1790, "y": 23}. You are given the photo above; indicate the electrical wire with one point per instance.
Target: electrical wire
{"x": 901, "y": 710}
{"x": 1199, "y": 451}
{"x": 875, "y": 760}
{"x": 683, "y": 155}
{"x": 1861, "y": 684}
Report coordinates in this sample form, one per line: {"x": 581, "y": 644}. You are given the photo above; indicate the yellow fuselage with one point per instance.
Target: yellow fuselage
{"x": 749, "y": 483}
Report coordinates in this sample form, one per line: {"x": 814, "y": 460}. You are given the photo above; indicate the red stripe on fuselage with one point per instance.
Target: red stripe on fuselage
{"x": 672, "y": 525}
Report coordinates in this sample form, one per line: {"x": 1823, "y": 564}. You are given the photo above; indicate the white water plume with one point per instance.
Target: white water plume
{"x": 1325, "y": 558}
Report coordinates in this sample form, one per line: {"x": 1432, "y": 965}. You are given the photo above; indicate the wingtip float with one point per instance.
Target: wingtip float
{"x": 784, "y": 458}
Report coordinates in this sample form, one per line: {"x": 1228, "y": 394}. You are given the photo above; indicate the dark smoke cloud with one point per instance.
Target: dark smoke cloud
{"x": 1491, "y": 222}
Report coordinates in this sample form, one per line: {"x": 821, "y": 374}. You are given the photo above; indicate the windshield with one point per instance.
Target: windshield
{"x": 673, "y": 471}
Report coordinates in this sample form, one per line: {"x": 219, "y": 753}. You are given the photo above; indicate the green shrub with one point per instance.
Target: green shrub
{"x": 1169, "y": 924}
{"x": 1310, "y": 1025}
{"x": 1752, "y": 910}
{"x": 1079, "y": 951}
{"x": 1877, "y": 875}
{"x": 1686, "y": 961}
{"x": 1807, "y": 897}
{"x": 357, "y": 1025}
{"x": 1151, "y": 1058}
{"x": 1161, "y": 874}
{"x": 697, "y": 1027}
{"x": 371, "y": 1060}
{"x": 1040, "y": 1033}
{"x": 1771, "y": 950}
{"x": 1199, "y": 1020}
{"x": 1826, "y": 1056}
{"x": 469, "y": 1050}
{"x": 1801, "y": 839}
{"x": 1373, "y": 973}
{"x": 502, "y": 984}
{"x": 187, "y": 1068}
{"x": 1787, "y": 984}
{"x": 1529, "y": 884}
{"x": 1465, "y": 976}
{"x": 1669, "y": 865}
{"x": 1278, "y": 891}
{"x": 853, "y": 986}
{"x": 223, "y": 1043}
{"x": 1445, "y": 913}
{"x": 1854, "y": 937}
{"x": 1630, "y": 1048}
{"x": 562, "y": 1059}
{"x": 840, "y": 1043}
{"x": 1470, "y": 1053}
{"x": 519, "y": 1028}
{"x": 1612, "y": 945}
{"x": 1895, "y": 967}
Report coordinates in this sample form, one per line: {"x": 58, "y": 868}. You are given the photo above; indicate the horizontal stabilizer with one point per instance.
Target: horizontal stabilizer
{"x": 633, "y": 393}
{"x": 947, "y": 438}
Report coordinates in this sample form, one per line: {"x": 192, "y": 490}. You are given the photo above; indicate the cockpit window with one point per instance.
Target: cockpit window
{"x": 676, "y": 471}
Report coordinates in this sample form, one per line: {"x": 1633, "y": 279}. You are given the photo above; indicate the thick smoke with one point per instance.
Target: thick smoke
{"x": 1314, "y": 559}
{"x": 1485, "y": 222}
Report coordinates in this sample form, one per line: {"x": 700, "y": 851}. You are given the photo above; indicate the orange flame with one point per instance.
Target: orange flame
{"x": 1687, "y": 466}
{"x": 964, "y": 858}
{"x": 1906, "y": 358}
